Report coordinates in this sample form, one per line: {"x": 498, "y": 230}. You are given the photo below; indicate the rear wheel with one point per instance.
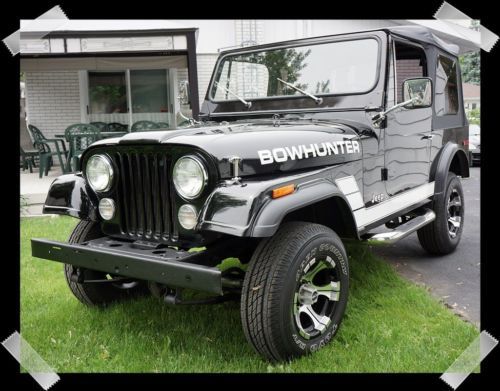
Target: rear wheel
{"x": 443, "y": 235}
{"x": 98, "y": 293}
{"x": 295, "y": 291}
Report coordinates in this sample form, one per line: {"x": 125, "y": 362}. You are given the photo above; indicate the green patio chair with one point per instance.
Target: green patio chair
{"x": 163, "y": 125}
{"x": 117, "y": 127}
{"x": 60, "y": 147}
{"x": 141, "y": 126}
{"x": 28, "y": 159}
{"x": 28, "y": 152}
{"x": 33, "y": 151}
{"x": 79, "y": 136}
{"x": 102, "y": 126}
{"x": 45, "y": 162}
{"x": 45, "y": 158}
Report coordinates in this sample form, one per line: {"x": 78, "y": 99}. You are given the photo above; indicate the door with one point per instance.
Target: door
{"x": 131, "y": 96}
{"x": 408, "y": 131}
{"x": 150, "y": 97}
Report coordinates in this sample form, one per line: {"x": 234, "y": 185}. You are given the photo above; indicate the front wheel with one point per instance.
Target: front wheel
{"x": 295, "y": 291}
{"x": 443, "y": 235}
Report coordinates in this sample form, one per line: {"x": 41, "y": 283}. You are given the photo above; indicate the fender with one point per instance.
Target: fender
{"x": 249, "y": 210}
{"x": 71, "y": 195}
{"x": 272, "y": 213}
{"x": 442, "y": 164}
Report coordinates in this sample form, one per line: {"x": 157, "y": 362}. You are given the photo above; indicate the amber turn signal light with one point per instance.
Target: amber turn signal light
{"x": 283, "y": 191}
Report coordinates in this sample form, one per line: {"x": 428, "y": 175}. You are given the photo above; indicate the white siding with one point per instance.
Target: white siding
{"x": 206, "y": 63}
{"x": 53, "y": 100}
{"x": 249, "y": 32}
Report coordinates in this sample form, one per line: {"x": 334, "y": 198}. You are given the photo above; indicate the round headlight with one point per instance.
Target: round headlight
{"x": 107, "y": 208}
{"x": 190, "y": 177}
{"x": 99, "y": 172}
{"x": 188, "y": 216}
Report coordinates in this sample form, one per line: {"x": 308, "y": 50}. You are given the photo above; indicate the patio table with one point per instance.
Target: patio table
{"x": 101, "y": 135}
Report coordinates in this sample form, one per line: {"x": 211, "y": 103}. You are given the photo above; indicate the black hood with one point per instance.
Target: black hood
{"x": 263, "y": 147}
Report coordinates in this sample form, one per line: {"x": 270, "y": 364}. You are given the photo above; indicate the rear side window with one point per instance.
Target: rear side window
{"x": 446, "y": 87}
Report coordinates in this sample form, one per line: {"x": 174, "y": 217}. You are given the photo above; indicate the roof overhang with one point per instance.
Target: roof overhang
{"x": 97, "y": 37}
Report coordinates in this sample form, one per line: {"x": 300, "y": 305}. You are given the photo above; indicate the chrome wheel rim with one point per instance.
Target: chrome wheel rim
{"x": 316, "y": 297}
{"x": 454, "y": 213}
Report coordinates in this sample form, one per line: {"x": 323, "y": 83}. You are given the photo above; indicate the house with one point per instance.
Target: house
{"x": 130, "y": 70}
{"x": 472, "y": 96}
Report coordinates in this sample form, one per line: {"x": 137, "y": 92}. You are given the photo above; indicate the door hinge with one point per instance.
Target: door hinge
{"x": 384, "y": 174}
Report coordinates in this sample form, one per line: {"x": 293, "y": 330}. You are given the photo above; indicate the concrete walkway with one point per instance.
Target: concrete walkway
{"x": 34, "y": 190}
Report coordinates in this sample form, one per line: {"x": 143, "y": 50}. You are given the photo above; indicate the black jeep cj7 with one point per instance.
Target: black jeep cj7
{"x": 301, "y": 143}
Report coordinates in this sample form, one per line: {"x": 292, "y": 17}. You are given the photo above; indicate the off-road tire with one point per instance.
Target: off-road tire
{"x": 435, "y": 237}
{"x": 270, "y": 284}
{"x": 96, "y": 294}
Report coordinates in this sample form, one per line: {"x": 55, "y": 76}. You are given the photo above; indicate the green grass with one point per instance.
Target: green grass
{"x": 390, "y": 325}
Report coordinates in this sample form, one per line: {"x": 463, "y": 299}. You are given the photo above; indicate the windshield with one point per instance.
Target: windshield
{"x": 346, "y": 67}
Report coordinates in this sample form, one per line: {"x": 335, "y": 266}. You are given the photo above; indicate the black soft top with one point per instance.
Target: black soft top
{"x": 423, "y": 34}
{"x": 411, "y": 32}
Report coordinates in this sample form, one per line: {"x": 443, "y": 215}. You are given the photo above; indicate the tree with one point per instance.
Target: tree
{"x": 323, "y": 87}
{"x": 470, "y": 63}
{"x": 474, "y": 116}
{"x": 285, "y": 64}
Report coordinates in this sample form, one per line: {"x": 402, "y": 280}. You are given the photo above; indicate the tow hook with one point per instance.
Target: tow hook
{"x": 232, "y": 281}
{"x": 173, "y": 296}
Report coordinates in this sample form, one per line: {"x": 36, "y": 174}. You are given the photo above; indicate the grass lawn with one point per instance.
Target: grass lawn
{"x": 390, "y": 325}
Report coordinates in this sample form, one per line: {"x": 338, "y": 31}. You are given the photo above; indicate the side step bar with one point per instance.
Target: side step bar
{"x": 403, "y": 230}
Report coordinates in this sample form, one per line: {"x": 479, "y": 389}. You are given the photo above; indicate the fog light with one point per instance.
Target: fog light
{"x": 107, "y": 208}
{"x": 188, "y": 217}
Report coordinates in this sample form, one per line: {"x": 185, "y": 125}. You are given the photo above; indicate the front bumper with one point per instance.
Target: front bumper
{"x": 163, "y": 265}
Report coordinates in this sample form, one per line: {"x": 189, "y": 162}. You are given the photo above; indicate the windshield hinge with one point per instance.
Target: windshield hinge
{"x": 235, "y": 162}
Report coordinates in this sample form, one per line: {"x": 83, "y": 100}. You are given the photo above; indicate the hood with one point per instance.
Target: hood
{"x": 262, "y": 147}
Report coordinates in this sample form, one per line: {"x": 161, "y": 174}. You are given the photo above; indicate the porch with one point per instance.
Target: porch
{"x": 110, "y": 74}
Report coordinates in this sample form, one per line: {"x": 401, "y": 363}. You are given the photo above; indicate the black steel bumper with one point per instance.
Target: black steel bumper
{"x": 164, "y": 265}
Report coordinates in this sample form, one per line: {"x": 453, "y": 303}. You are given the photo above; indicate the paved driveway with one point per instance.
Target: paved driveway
{"x": 454, "y": 277}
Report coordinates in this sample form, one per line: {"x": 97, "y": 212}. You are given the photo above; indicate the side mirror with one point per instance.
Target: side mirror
{"x": 419, "y": 90}
{"x": 184, "y": 97}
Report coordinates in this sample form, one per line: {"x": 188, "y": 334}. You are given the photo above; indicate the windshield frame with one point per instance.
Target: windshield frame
{"x": 293, "y": 44}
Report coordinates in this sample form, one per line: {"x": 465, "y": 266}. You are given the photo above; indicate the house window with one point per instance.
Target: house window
{"x": 130, "y": 96}
{"x": 149, "y": 91}
{"x": 474, "y": 106}
{"x": 107, "y": 92}
{"x": 446, "y": 87}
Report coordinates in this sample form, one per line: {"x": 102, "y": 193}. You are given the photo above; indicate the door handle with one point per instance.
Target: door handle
{"x": 427, "y": 137}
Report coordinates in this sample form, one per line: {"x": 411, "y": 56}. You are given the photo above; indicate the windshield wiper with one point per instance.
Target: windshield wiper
{"x": 316, "y": 99}
{"x": 245, "y": 102}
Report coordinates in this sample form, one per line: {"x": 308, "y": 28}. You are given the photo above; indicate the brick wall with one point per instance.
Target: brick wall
{"x": 406, "y": 69}
{"x": 53, "y": 100}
